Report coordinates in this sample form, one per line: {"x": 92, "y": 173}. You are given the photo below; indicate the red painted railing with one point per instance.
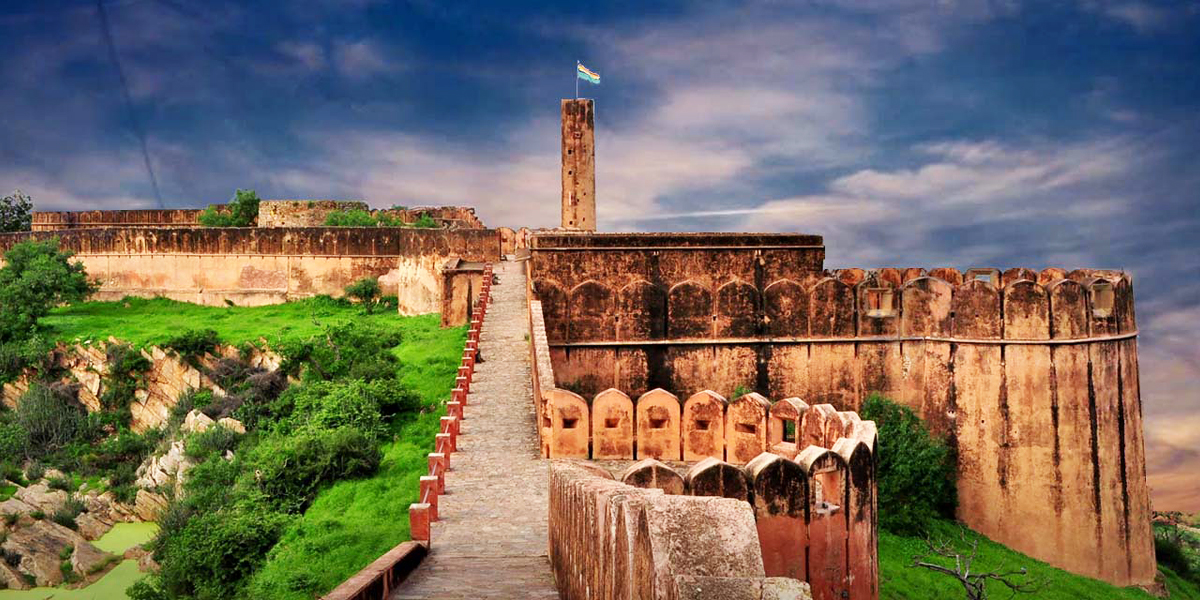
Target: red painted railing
{"x": 377, "y": 580}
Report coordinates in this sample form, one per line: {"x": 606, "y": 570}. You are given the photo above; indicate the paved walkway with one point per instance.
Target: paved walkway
{"x": 492, "y": 537}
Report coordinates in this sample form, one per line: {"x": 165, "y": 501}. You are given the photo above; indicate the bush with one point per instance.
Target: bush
{"x": 14, "y": 441}
{"x": 425, "y": 221}
{"x": 126, "y": 365}
{"x": 193, "y": 344}
{"x": 66, "y": 515}
{"x": 241, "y": 211}
{"x": 366, "y": 291}
{"x": 37, "y": 277}
{"x": 349, "y": 350}
{"x": 60, "y": 483}
{"x": 351, "y": 218}
{"x": 34, "y": 353}
{"x": 1171, "y": 554}
{"x": 212, "y": 553}
{"x": 51, "y": 417}
{"x": 212, "y": 442}
{"x": 916, "y": 470}
{"x": 290, "y": 469}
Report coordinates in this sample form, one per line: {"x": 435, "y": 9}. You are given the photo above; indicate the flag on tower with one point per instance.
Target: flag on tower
{"x": 587, "y": 74}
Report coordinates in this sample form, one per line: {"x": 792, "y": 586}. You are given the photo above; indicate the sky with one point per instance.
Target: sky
{"x": 907, "y": 132}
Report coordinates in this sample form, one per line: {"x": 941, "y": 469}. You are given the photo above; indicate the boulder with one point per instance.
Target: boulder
{"x": 13, "y": 506}
{"x": 88, "y": 559}
{"x": 232, "y": 424}
{"x": 42, "y": 498}
{"x": 41, "y": 544}
{"x": 93, "y": 525}
{"x": 12, "y": 578}
{"x": 149, "y": 505}
{"x": 196, "y": 422}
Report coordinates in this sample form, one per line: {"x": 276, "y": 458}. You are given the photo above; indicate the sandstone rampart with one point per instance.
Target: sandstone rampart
{"x": 1032, "y": 375}
{"x": 257, "y": 266}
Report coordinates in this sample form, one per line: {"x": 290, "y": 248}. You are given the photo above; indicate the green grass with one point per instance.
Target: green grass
{"x": 6, "y": 491}
{"x": 144, "y": 322}
{"x": 899, "y": 580}
{"x": 351, "y": 523}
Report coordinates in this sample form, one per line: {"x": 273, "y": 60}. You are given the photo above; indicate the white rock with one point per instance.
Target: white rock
{"x": 196, "y": 421}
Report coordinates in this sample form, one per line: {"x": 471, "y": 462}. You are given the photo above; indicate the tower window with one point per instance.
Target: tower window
{"x": 1102, "y": 299}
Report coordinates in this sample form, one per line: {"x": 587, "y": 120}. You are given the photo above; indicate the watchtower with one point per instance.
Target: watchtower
{"x": 578, "y": 165}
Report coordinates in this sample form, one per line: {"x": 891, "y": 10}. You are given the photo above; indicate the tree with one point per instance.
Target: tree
{"x": 1018, "y": 581}
{"x": 916, "y": 469}
{"x": 242, "y": 211}
{"x": 366, "y": 291}
{"x": 16, "y": 212}
{"x": 37, "y": 277}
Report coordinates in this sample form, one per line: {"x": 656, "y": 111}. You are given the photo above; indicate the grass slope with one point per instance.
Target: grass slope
{"x": 144, "y": 322}
{"x": 901, "y": 581}
{"x": 351, "y": 523}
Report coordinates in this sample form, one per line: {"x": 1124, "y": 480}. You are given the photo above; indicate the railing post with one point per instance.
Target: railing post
{"x": 429, "y": 495}
{"x": 437, "y": 466}
{"x": 454, "y": 409}
{"x": 418, "y": 522}
{"x": 446, "y": 442}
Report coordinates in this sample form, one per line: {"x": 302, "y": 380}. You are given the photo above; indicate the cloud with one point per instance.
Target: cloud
{"x": 360, "y": 59}
{"x": 308, "y": 54}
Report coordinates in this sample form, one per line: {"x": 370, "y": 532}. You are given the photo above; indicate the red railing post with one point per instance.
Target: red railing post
{"x": 429, "y": 495}
{"x": 418, "y": 521}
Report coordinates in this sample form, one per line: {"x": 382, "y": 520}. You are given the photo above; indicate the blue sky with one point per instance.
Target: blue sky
{"x": 906, "y": 132}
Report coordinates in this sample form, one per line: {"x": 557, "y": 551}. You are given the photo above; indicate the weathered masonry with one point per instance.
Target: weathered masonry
{"x": 256, "y": 266}
{"x": 578, "y": 165}
{"x": 1032, "y": 375}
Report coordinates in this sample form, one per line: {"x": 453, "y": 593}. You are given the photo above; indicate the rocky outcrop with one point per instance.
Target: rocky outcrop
{"x": 41, "y": 497}
{"x": 196, "y": 422}
{"x": 149, "y": 506}
{"x": 41, "y": 546}
{"x": 169, "y": 376}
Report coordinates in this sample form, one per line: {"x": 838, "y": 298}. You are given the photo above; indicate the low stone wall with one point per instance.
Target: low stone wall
{"x": 302, "y": 213}
{"x": 612, "y": 540}
{"x": 256, "y": 266}
{"x": 93, "y": 219}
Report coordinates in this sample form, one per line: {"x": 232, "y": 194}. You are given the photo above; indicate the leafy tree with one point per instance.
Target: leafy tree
{"x": 916, "y": 469}
{"x": 37, "y": 277}
{"x": 241, "y": 211}
{"x": 366, "y": 291}
{"x": 16, "y": 212}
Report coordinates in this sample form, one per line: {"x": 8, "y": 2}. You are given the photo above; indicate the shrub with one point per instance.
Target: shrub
{"x": 126, "y": 365}
{"x": 35, "y": 471}
{"x": 14, "y": 441}
{"x": 51, "y": 417}
{"x": 37, "y": 277}
{"x": 146, "y": 588}
{"x": 212, "y": 553}
{"x": 351, "y": 218}
{"x": 38, "y": 515}
{"x": 1170, "y": 553}
{"x": 241, "y": 211}
{"x": 59, "y": 483}
{"x": 212, "y": 442}
{"x": 66, "y": 515}
{"x": 193, "y": 344}
{"x": 425, "y": 221}
{"x": 365, "y": 290}
{"x": 34, "y": 353}
{"x": 290, "y": 469}
{"x": 916, "y": 470}
{"x": 345, "y": 350}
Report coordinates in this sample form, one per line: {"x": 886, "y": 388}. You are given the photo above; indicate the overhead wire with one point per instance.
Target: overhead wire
{"x": 138, "y": 131}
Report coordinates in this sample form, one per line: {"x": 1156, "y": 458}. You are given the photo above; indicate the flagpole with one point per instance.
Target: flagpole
{"x": 577, "y": 63}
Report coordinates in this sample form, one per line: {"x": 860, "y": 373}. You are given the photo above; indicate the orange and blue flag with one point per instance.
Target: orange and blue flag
{"x": 587, "y": 74}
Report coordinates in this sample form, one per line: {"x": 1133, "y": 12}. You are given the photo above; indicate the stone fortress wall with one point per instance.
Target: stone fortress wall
{"x": 1032, "y": 375}
{"x": 257, "y": 266}
{"x": 97, "y": 219}
{"x": 271, "y": 213}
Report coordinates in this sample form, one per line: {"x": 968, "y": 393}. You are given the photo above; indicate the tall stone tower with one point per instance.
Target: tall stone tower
{"x": 578, "y": 165}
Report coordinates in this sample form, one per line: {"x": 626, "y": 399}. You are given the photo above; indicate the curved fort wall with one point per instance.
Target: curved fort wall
{"x": 257, "y": 266}
{"x": 1032, "y": 375}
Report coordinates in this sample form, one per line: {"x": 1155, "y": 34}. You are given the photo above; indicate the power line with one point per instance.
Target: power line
{"x": 137, "y": 126}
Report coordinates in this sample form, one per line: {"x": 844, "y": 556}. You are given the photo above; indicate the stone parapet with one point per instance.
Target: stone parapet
{"x": 616, "y": 541}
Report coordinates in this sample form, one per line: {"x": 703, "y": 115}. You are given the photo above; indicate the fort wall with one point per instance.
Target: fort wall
{"x": 257, "y": 266}
{"x": 92, "y": 219}
{"x": 1031, "y": 375}
{"x": 302, "y": 213}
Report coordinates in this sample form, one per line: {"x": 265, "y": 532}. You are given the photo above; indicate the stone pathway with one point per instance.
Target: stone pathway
{"x": 492, "y": 537}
